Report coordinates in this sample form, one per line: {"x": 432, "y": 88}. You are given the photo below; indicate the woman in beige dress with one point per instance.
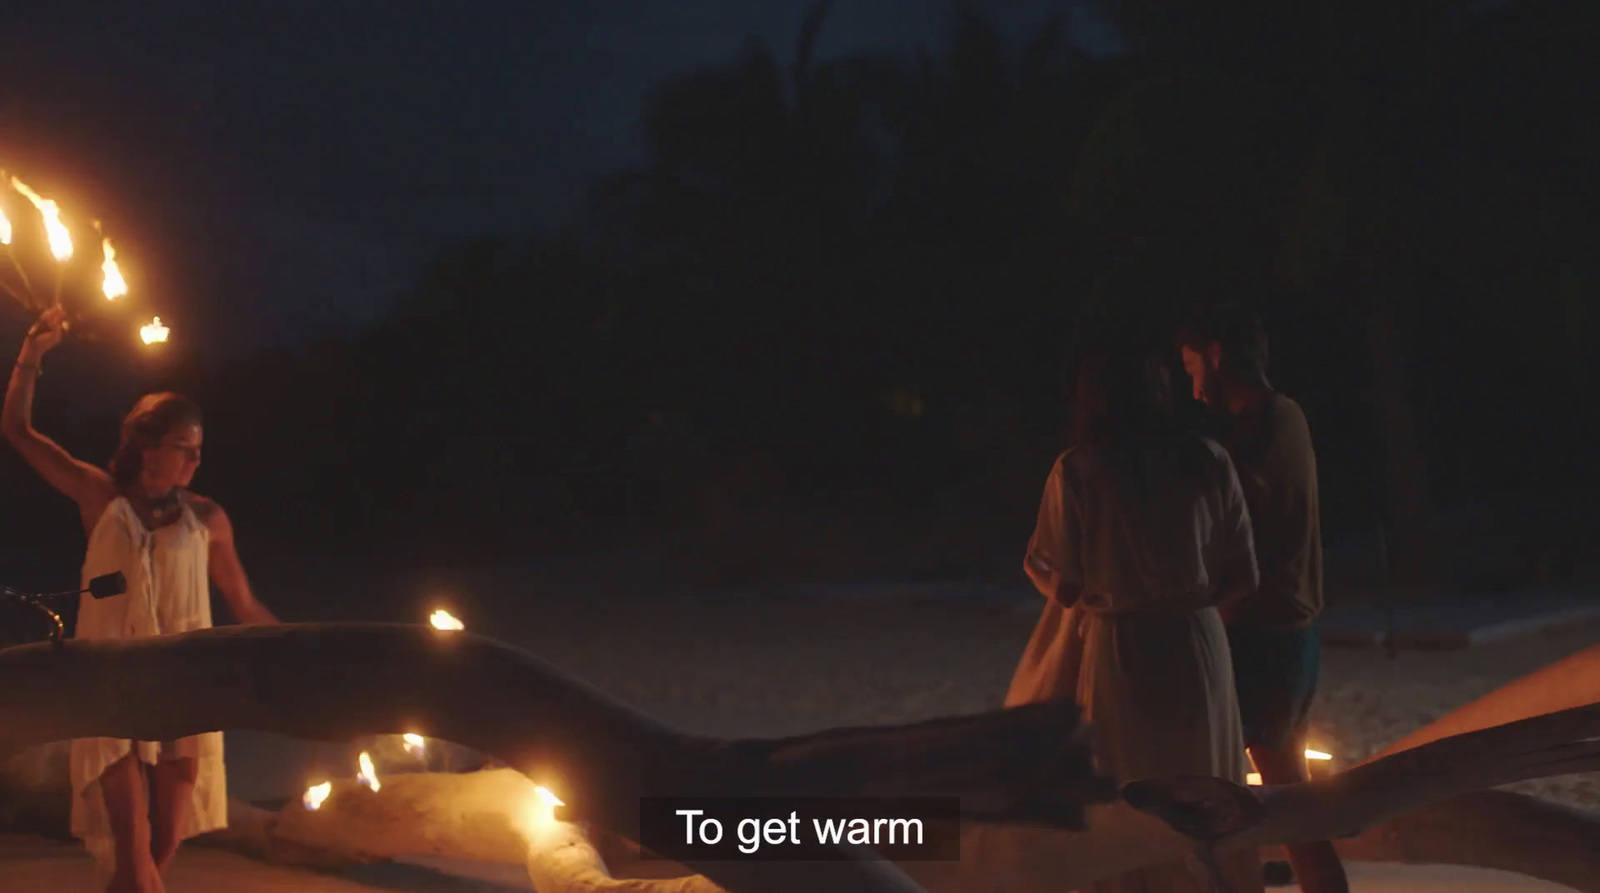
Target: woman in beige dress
{"x": 1142, "y": 533}
{"x": 133, "y": 802}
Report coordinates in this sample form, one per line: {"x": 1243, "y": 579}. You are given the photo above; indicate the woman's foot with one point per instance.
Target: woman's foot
{"x": 139, "y": 877}
{"x": 171, "y": 786}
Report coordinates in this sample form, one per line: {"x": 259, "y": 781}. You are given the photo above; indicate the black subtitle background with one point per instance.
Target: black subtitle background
{"x": 663, "y": 833}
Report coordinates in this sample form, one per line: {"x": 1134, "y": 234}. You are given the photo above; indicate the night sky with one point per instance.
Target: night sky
{"x": 277, "y": 171}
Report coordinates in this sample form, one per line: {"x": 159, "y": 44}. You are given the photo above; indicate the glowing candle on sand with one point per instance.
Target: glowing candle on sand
{"x": 544, "y": 805}
{"x": 316, "y": 794}
{"x": 443, "y": 619}
{"x": 369, "y": 774}
{"x": 1254, "y": 778}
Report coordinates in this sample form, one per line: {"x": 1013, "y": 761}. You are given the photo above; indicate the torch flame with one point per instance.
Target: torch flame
{"x": 368, "y": 775}
{"x": 114, "y": 286}
{"x": 442, "y": 619}
{"x": 60, "y": 238}
{"x": 155, "y": 332}
{"x": 414, "y": 744}
{"x": 316, "y": 794}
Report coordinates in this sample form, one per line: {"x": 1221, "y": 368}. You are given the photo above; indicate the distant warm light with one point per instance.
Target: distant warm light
{"x": 5, "y": 229}
{"x": 1253, "y": 778}
{"x": 369, "y": 774}
{"x": 1318, "y": 755}
{"x": 442, "y": 619}
{"x": 55, "y": 230}
{"x": 114, "y": 286}
{"x": 415, "y": 744}
{"x": 316, "y": 794}
{"x": 155, "y": 332}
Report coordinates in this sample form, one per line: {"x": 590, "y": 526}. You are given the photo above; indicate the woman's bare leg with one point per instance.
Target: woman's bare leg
{"x": 123, "y": 788}
{"x": 171, "y": 787}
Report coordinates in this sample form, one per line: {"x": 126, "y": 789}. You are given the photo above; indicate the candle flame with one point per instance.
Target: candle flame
{"x": 155, "y": 332}
{"x": 55, "y": 230}
{"x": 544, "y": 805}
{"x": 316, "y": 794}
{"x": 442, "y": 619}
{"x": 414, "y": 744}
{"x": 1254, "y": 778}
{"x": 114, "y": 286}
{"x": 368, "y": 775}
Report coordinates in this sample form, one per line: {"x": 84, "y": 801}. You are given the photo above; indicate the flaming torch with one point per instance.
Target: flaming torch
{"x": 55, "y": 231}
{"x": 5, "y": 240}
{"x": 113, "y": 286}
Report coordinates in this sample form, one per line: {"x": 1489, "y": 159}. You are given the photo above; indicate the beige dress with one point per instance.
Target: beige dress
{"x": 168, "y": 592}
{"x": 1142, "y": 648}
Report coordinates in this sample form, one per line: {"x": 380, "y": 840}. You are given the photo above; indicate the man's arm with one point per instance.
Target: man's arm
{"x": 1238, "y": 574}
{"x": 1292, "y": 499}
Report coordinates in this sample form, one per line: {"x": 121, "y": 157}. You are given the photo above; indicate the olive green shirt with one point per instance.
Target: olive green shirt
{"x": 1278, "y": 471}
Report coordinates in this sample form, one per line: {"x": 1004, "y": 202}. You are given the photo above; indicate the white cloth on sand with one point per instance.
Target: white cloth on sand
{"x": 168, "y": 592}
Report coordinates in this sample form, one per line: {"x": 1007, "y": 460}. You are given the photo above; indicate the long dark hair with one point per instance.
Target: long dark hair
{"x": 1123, "y": 408}
{"x": 152, "y": 418}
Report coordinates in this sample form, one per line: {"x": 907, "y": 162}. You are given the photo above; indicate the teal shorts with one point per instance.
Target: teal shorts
{"x": 1275, "y": 675}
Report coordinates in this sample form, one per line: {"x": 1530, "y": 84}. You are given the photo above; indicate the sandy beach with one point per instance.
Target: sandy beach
{"x": 769, "y": 660}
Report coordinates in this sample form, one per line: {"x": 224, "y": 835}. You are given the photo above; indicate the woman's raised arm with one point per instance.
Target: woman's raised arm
{"x": 88, "y": 486}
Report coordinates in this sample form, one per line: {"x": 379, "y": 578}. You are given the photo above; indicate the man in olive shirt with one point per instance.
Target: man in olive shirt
{"x": 1272, "y": 634}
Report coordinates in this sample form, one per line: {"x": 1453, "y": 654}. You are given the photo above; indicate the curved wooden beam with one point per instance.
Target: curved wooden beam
{"x": 1570, "y": 682}
{"x": 435, "y": 814}
{"x": 340, "y": 681}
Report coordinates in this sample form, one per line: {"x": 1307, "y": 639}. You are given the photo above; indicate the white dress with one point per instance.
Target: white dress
{"x": 1143, "y": 649}
{"x": 168, "y": 592}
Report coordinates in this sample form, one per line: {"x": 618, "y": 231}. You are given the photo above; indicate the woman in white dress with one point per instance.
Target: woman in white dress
{"x": 135, "y": 801}
{"x": 1142, "y": 533}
